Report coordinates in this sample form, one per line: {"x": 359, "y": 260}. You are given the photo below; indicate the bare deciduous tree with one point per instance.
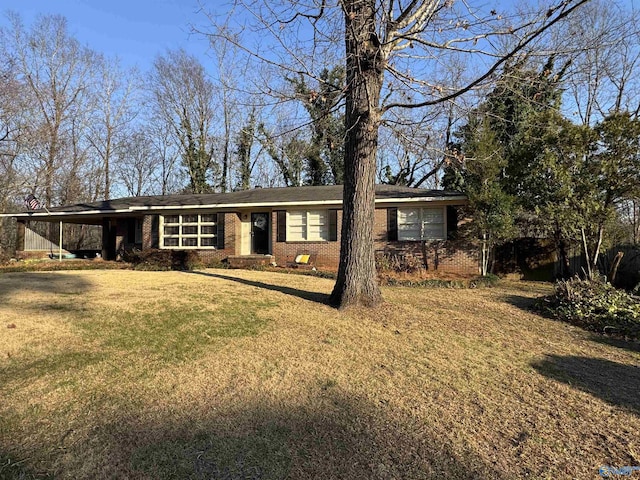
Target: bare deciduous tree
{"x": 393, "y": 53}
{"x": 55, "y": 70}
{"x": 113, "y": 112}
{"x": 136, "y": 164}
{"x": 182, "y": 96}
{"x": 166, "y": 153}
{"x": 602, "y": 44}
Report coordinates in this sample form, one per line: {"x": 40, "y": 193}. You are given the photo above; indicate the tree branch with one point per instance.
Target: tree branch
{"x": 519, "y": 47}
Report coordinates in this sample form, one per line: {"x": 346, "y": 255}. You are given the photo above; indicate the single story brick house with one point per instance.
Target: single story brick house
{"x": 273, "y": 224}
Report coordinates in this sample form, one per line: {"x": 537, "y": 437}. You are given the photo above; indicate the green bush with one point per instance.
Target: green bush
{"x": 595, "y": 305}
{"x": 489, "y": 280}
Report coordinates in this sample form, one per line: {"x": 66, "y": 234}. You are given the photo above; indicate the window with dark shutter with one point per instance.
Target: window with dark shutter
{"x": 452, "y": 222}
{"x": 392, "y": 224}
{"x": 155, "y": 231}
{"x": 333, "y": 225}
{"x": 220, "y": 233}
{"x": 281, "y": 234}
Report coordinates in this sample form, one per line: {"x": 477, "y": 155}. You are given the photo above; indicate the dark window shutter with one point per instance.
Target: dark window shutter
{"x": 452, "y": 222}
{"x": 333, "y": 225}
{"x": 155, "y": 231}
{"x": 220, "y": 223}
{"x": 281, "y": 235}
{"x": 392, "y": 224}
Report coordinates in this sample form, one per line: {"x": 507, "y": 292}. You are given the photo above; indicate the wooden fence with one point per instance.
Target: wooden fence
{"x": 34, "y": 242}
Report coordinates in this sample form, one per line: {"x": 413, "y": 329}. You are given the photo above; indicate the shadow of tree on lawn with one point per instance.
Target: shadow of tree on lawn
{"x": 615, "y": 383}
{"x": 633, "y": 346}
{"x": 332, "y": 436}
{"x": 321, "y": 298}
{"x": 10, "y": 469}
{"x": 523, "y": 303}
{"x": 338, "y": 437}
{"x": 67, "y": 286}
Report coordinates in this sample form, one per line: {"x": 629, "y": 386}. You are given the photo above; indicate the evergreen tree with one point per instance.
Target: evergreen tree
{"x": 514, "y": 160}
{"x": 324, "y": 156}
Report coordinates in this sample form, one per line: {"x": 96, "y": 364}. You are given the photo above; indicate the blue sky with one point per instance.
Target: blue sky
{"x": 134, "y": 30}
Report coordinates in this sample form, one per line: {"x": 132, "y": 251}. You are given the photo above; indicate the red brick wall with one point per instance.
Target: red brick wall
{"x": 231, "y": 234}
{"x": 442, "y": 256}
{"x": 445, "y": 256}
{"x": 151, "y": 237}
{"x": 327, "y": 254}
{"x": 150, "y": 234}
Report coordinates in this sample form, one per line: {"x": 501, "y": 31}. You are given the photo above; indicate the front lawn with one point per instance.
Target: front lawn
{"x": 249, "y": 375}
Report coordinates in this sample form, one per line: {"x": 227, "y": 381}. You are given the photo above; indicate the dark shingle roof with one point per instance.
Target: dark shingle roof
{"x": 256, "y": 196}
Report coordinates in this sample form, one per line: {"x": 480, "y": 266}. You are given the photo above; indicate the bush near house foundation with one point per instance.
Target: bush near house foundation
{"x": 152, "y": 259}
{"x": 595, "y": 305}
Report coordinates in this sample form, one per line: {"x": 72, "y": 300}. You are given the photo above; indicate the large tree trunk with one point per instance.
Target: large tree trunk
{"x": 357, "y": 281}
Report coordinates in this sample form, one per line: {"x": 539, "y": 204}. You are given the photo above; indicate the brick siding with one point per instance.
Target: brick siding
{"x": 151, "y": 237}
{"x": 445, "y": 256}
{"x": 450, "y": 256}
{"x": 231, "y": 234}
{"x": 150, "y": 233}
{"x": 326, "y": 254}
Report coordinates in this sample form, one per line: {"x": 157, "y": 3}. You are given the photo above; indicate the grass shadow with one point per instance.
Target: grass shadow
{"x": 523, "y": 303}
{"x": 630, "y": 345}
{"x": 19, "y": 370}
{"x": 334, "y": 436}
{"x": 11, "y": 469}
{"x": 316, "y": 297}
{"x": 615, "y": 383}
{"x": 69, "y": 286}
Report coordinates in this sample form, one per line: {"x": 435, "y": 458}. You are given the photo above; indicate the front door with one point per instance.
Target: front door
{"x": 260, "y": 233}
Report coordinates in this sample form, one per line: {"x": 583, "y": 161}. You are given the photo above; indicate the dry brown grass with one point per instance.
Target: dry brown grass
{"x": 239, "y": 374}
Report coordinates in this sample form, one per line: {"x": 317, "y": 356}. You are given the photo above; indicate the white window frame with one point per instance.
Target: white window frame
{"x": 180, "y": 235}
{"x": 422, "y": 213}
{"x": 307, "y": 215}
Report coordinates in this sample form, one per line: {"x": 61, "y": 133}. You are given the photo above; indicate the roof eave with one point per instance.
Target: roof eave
{"x": 230, "y": 206}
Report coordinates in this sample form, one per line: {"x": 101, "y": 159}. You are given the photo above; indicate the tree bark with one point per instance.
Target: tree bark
{"x": 357, "y": 282}
{"x": 596, "y": 252}
{"x": 614, "y": 267}
{"x": 585, "y": 247}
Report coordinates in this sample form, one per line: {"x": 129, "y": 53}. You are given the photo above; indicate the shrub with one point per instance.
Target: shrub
{"x": 55, "y": 265}
{"x": 185, "y": 260}
{"x": 4, "y": 258}
{"x": 153, "y": 259}
{"x": 489, "y": 280}
{"x": 595, "y": 305}
{"x": 391, "y": 262}
{"x": 476, "y": 282}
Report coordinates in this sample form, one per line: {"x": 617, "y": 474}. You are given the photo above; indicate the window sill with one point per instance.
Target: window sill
{"x": 187, "y": 248}
{"x": 308, "y": 242}
{"x": 426, "y": 240}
